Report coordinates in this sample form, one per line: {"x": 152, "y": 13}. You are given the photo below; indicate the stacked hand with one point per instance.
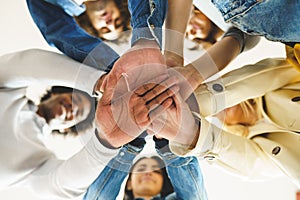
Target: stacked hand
{"x": 140, "y": 94}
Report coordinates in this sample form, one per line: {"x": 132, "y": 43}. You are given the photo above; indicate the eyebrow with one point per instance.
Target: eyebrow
{"x": 144, "y": 165}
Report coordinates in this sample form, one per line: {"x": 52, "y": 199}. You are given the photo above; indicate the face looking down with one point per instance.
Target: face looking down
{"x": 106, "y": 18}
{"x": 199, "y": 26}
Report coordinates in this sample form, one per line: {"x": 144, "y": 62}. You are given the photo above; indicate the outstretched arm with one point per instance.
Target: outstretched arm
{"x": 179, "y": 168}
{"x": 178, "y": 14}
{"x": 62, "y": 31}
{"x": 35, "y": 66}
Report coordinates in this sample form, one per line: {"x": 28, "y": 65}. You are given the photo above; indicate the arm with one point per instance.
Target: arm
{"x": 235, "y": 154}
{"x": 179, "y": 168}
{"x": 244, "y": 83}
{"x": 108, "y": 183}
{"x": 70, "y": 178}
{"x": 31, "y": 67}
{"x": 61, "y": 30}
{"x": 72, "y": 7}
{"x": 178, "y": 14}
{"x": 147, "y": 18}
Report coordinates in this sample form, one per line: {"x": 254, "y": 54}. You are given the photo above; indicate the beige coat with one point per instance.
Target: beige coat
{"x": 271, "y": 144}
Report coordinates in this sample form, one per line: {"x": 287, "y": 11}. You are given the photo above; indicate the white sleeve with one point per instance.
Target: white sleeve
{"x": 71, "y": 178}
{"x": 30, "y": 67}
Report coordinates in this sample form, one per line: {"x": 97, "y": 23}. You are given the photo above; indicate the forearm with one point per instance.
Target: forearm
{"x": 216, "y": 58}
{"x": 108, "y": 183}
{"x": 176, "y": 22}
{"x": 31, "y": 67}
{"x": 189, "y": 169}
{"x": 147, "y": 18}
{"x": 70, "y": 178}
{"x": 62, "y": 31}
{"x": 72, "y": 7}
{"x": 250, "y": 81}
{"x": 235, "y": 154}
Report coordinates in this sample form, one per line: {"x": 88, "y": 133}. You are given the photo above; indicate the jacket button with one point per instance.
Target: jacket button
{"x": 209, "y": 157}
{"x": 217, "y": 87}
{"x": 276, "y": 150}
{"x": 295, "y": 99}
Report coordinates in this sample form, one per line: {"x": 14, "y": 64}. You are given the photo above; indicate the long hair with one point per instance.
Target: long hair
{"x": 243, "y": 129}
{"x": 85, "y": 23}
{"x": 167, "y": 186}
{"x": 210, "y": 39}
{"x": 81, "y": 126}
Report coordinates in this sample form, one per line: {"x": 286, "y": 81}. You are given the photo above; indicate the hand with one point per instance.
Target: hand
{"x": 126, "y": 116}
{"x": 177, "y": 124}
{"x": 143, "y": 59}
{"x": 149, "y": 101}
{"x": 173, "y": 59}
{"x": 189, "y": 79}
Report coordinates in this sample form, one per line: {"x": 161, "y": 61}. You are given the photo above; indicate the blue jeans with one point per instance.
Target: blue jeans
{"x": 277, "y": 20}
{"x": 184, "y": 172}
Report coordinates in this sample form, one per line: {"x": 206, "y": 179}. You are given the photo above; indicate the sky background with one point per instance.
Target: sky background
{"x": 18, "y": 32}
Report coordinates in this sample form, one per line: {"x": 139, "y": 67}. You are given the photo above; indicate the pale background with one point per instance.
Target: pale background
{"x": 18, "y": 32}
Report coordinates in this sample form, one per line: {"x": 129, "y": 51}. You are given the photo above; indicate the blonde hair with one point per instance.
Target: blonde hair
{"x": 250, "y": 105}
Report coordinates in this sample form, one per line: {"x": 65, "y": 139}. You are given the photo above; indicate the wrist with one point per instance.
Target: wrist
{"x": 146, "y": 43}
{"x": 193, "y": 77}
{"x": 103, "y": 140}
{"x": 189, "y": 136}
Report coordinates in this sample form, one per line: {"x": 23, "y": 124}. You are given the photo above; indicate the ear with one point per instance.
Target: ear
{"x": 129, "y": 185}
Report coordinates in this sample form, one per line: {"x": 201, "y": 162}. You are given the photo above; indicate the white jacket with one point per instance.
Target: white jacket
{"x": 24, "y": 156}
{"x": 271, "y": 143}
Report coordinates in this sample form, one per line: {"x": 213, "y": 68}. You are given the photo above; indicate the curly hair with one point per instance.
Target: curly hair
{"x": 81, "y": 126}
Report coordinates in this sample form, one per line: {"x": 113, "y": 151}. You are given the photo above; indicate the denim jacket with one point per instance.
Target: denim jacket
{"x": 108, "y": 183}
{"x": 147, "y": 17}
{"x": 277, "y": 20}
{"x": 59, "y": 29}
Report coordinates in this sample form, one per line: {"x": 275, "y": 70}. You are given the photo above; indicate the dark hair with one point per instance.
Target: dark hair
{"x": 81, "y": 126}
{"x": 211, "y": 37}
{"x": 167, "y": 186}
{"x": 85, "y": 23}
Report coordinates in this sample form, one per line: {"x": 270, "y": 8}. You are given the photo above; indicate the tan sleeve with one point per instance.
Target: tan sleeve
{"x": 234, "y": 154}
{"x": 250, "y": 81}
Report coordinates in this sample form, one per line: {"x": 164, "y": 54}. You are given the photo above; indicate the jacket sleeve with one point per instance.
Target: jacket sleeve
{"x": 147, "y": 18}
{"x": 237, "y": 155}
{"x": 108, "y": 183}
{"x": 248, "y": 82}
{"x": 188, "y": 169}
{"x": 70, "y": 178}
{"x": 61, "y": 30}
{"x": 33, "y": 67}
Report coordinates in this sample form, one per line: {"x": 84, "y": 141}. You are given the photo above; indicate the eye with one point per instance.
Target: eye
{"x": 158, "y": 171}
{"x": 118, "y": 23}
